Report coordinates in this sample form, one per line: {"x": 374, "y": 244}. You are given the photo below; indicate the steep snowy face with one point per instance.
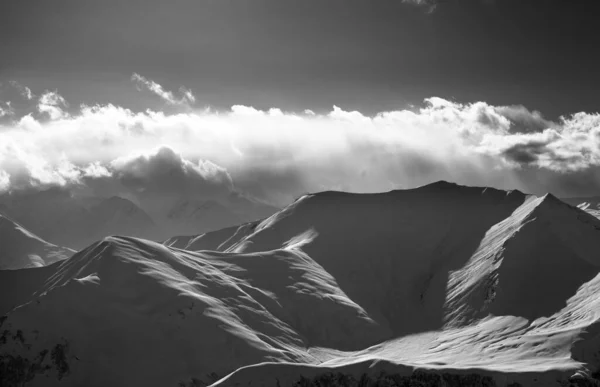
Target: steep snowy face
{"x": 20, "y": 248}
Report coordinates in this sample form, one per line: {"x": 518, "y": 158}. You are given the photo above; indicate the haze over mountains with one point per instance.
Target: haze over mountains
{"x": 443, "y": 284}
{"x": 76, "y": 221}
{"x": 19, "y": 248}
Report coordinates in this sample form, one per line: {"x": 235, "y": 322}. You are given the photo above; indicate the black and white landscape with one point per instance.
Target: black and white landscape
{"x": 392, "y": 193}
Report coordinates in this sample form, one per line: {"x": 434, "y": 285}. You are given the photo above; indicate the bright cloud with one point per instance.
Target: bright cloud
{"x": 186, "y": 99}
{"x": 276, "y": 155}
{"x": 4, "y": 181}
{"x": 52, "y": 103}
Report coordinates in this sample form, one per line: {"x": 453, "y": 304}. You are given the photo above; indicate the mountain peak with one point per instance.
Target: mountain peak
{"x": 441, "y": 184}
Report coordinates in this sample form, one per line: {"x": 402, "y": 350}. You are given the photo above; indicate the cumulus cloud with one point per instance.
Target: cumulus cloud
{"x": 186, "y": 98}
{"x": 523, "y": 120}
{"x": 277, "y": 155}
{"x": 52, "y": 103}
{"x": 163, "y": 170}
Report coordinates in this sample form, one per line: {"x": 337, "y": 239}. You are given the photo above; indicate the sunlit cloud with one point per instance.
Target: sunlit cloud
{"x": 186, "y": 98}
{"x": 53, "y": 104}
{"x": 275, "y": 155}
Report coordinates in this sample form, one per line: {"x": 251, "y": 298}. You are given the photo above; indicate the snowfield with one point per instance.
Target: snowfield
{"x": 444, "y": 284}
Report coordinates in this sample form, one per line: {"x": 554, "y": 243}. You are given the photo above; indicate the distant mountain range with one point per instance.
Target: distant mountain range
{"x": 590, "y": 204}
{"x": 442, "y": 285}
{"x": 20, "y": 248}
{"x": 77, "y": 222}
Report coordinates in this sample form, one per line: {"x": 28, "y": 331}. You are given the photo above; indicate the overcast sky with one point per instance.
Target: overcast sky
{"x": 474, "y": 91}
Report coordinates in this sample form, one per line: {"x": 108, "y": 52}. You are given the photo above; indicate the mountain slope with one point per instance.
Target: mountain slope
{"x": 19, "y": 248}
{"x": 444, "y": 285}
{"x": 588, "y": 204}
{"x": 193, "y": 313}
{"x": 220, "y": 240}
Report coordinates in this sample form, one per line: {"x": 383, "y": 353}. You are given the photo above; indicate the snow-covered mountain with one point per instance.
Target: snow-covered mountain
{"x": 199, "y": 216}
{"x": 119, "y": 216}
{"x": 60, "y": 218}
{"x": 20, "y": 248}
{"x": 443, "y": 285}
{"x": 590, "y": 204}
{"x": 189, "y": 216}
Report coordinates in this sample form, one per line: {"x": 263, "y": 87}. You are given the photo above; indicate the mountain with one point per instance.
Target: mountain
{"x": 52, "y": 214}
{"x": 198, "y": 216}
{"x": 247, "y": 208}
{"x": 589, "y": 204}
{"x": 119, "y": 216}
{"x": 20, "y": 248}
{"x": 220, "y": 240}
{"x": 443, "y": 285}
{"x": 192, "y": 217}
{"x": 61, "y": 218}
{"x": 76, "y": 221}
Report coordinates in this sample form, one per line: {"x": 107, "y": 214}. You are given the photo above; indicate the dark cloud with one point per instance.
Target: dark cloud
{"x": 523, "y": 120}
{"x": 165, "y": 171}
{"x": 526, "y": 153}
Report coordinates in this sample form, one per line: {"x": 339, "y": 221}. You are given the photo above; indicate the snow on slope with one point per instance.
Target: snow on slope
{"x": 392, "y": 253}
{"x": 443, "y": 277}
{"x": 588, "y": 204}
{"x": 220, "y": 240}
{"x": 140, "y": 313}
{"x": 19, "y": 248}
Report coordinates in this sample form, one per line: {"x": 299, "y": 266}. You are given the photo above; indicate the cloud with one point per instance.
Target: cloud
{"x": 6, "y": 110}
{"x": 277, "y": 155}
{"x": 523, "y": 120}
{"x": 164, "y": 171}
{"x": 4, "y": 181}
{"x": 52, "y": 103}
{"x": 23, "y": 90}
{"x": 430, "y": 4}
{"x": 186, "y": 99}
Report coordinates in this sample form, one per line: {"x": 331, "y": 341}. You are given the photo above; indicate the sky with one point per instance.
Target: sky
{"x": 278, "y": 98}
